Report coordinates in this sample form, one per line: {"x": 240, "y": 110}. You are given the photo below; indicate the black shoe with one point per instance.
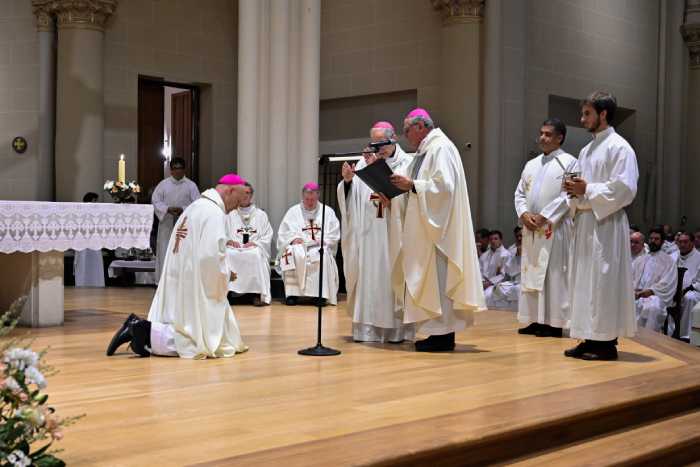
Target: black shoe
{"x": 603, "y": 351}
{"x": 122, "y": 336}
{"x": 579, "y": 350}
{"x": 141, "y": 332}
{"x": 290, "y": 301}
{"x": 549, "y": 331}
{"x": 530, "y": 329}
{"x": 442, "y": 343}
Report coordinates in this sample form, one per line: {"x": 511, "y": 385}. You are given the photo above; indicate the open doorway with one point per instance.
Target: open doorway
{"x": 168, "y": 127}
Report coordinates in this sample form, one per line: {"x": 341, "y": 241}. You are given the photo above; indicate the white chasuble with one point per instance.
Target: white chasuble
{"x": 301, "y": 275}
{"x": 170, "y": 193}
{"x": 191, "y": 296}
{"x": 438, "y": 258}
{"x": 656, "y": 272}
{"x": 545, "y": 252}
{"x": 251, "y": 228}
{"x": 602, "y": 297}
{"x": 377, "y": 315}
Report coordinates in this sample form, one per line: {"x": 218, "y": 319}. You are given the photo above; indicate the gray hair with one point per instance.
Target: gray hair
{"x": 252, "y": 190}
{"x": 389, "y": 133}
{"x": 427, "y": 122}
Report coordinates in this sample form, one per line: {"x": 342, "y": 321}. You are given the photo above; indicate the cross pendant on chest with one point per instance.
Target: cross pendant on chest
{"x": 313, "y": 228}
{"x": 376, "y": 200}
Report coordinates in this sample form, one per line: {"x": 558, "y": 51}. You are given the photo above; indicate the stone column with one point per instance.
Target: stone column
{"x": 460, "y": 101}
{"x": 279, "y": 89}
{"x": 691, "y": 34}
{"x": 46, "y": 27}
{"x": 80, "y": 96}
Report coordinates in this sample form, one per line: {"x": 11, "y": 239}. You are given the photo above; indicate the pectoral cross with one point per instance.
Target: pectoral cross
{"x": 180, "y": 234}
{"x": 313, "y": 228}
{"x": 376, "y": 200}
{"x": 246, "y": 231}
{"x": 286, "y": 256}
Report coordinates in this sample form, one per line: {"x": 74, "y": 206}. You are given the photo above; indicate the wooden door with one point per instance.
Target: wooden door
{"x": 181, "y": 115}
{"x": 150, "y": 136}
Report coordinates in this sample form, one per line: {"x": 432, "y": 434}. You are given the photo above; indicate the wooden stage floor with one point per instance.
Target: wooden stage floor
{"x": 374, "y": 404}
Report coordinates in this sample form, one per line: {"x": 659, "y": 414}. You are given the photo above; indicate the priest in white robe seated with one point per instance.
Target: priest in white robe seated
{"x": 439, "y": 268}
{"x": 542, "y": 208}
{"x": 299, "y": 248}
{"x": 506, "y": 294}
{"x": 377, "y": 313}
{"x": 493, "y": 261}
{"x": 250, "y": 239}
{"x": 654, "y": 276}
{"x": 689, "y": 258}
{"x": 169, "y": 199}
{"x": 190, "y": 316}
{"x": 602, "y": 295}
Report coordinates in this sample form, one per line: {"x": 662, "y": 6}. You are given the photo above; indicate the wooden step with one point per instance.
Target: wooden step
{"x": 673, "y": 441}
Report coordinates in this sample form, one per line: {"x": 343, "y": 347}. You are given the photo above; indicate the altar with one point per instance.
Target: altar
{"x": 34, "y": 236}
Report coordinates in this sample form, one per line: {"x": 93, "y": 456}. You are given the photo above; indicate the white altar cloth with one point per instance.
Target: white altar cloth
{"x": 34, "y": 235}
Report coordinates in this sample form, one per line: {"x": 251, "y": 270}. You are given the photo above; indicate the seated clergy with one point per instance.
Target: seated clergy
{"x": 248, "y": 251}
{"x": 654, "y": 276}
{"x": 88, "y": 268}
{"x": 298, "y": 248}
{"x": 689, "y": 258}
{"x": 493, "y": 261}
{"x": 505, "y": 294}
{"x": 190, "y": 316}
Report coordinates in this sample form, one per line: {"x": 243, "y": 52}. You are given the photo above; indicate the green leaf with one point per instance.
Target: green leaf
{"x": 47, "y": 460}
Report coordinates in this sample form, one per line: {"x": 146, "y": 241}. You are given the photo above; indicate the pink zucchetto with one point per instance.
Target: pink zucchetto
{"x": 383, "y": 125}
{"x": 419, "y": 113}
{"x": 232, "y": 179}
{"x": 312, "y": 186}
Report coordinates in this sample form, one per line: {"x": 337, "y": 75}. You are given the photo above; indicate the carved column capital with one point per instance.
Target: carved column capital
{"x": 691, "y": 35}
{"x": 460, "y": 11}
{"x": 45, "y": 20}
{"x": 82, "y": 14}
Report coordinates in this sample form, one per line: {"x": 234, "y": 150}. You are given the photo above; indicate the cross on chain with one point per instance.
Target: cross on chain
{"x": 313, "y": 228}
{"x": 376, "y": 200}
{"x": 180, "y": 234}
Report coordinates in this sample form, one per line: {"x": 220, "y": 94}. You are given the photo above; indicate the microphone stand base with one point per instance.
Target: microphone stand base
{"x": 319, "y": 351}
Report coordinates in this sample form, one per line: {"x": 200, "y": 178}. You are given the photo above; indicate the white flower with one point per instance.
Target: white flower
{"x": 20, "y": 358}
{"x": 12, "y": 384}
{"x": 33, "y": 375}
{"x": 109, "y": 184}
{"x": 19, "y": 459}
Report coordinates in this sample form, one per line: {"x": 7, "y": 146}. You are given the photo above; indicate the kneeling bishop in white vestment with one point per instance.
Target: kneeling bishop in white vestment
{"x": 298, "y": 248}
{"x": 542, "y": 208}
{"x": 439, "y": 269}
{"x": 190, "y": 315}
{"x": 250, "y": 239}
{"x": 655, "y": 277}
{"x": 377, "y": 314}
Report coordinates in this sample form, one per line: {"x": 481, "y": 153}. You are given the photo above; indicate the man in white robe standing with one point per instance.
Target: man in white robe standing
{"x": 506, "y": 294}
{"x": 169, "y": 199}
{"x": 542, "y": 208}
{"x": 602, "y": 296}
{"x": 439, "y": 273}
{"x": 250, "y": 239}
{"x": 492, "y": 262}
{"x": 377, "y": 315}
{"x": 190, "y": 316}
{"x": 690, "y": 260}
{"x": 298, "y": 249}
{"x": 654, "y": 276}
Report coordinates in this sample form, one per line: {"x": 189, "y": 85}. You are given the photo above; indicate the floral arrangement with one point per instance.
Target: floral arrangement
{"x": 25, "y": 419}
{"x": 121, "y": 190}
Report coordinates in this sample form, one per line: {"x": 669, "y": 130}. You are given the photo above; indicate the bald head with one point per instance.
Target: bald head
{"x": 637, "y": 243}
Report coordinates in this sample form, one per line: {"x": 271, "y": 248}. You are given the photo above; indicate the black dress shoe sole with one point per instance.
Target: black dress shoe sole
{"x": 122, "y": 336}
{"x": 599, "y": 356}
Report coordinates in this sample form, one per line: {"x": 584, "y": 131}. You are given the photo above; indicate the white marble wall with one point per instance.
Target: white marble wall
{"x": 19, "y": 99}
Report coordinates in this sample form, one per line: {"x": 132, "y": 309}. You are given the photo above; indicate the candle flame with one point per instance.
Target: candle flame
{"x": 121, "y": 158}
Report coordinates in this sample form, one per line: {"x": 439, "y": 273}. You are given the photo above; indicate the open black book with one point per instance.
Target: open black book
{"x": 376, "y": 176}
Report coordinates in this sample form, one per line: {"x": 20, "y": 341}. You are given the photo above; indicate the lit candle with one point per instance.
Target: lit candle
{"x": 122, "y": 169}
